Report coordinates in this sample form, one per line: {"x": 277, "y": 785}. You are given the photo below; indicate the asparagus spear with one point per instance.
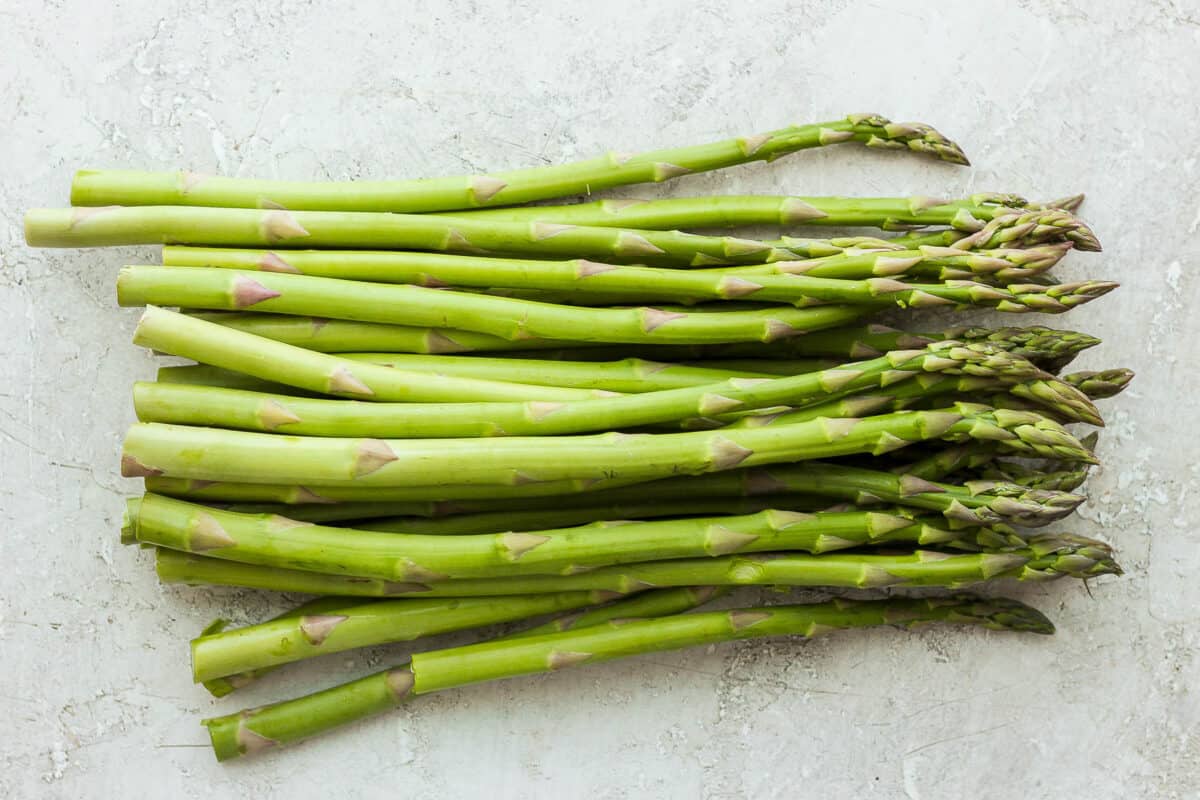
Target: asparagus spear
{"x": 791, "y": 486}
{"x": 233, "y": 408}
{"x": 197, "y": 339}
{"x": 267, "y": 727}
{"x": 245, "y": 227}
{"x": 514, "y": 319}
{"x": 731, "y": 211}
{"x": 1064, "y": 480}
{"x": 949, "y": 460}
{"x": 175, "y": 451}
{"x": 573, "y": 512}
{"x": 1102, "y": 383}
{"x": 1047, "y": 347}
{"x": 122, "y": 187}
{"x": 230, "y": 682}
{"x": 280, "y": 542}
{"x": 352, "y": 625}
{"x": 1044, "y": 557}
{"x": 633, "y": 375}
{"x": 661, "y": 602}
{"x": 583, "y": 276}
{"x": 339, "y": 335}
{"x": 995, "y": 266}
{"x": 204, "y": 375}
{"x": 987, "y": 218}
{"x": 203, "y": 287}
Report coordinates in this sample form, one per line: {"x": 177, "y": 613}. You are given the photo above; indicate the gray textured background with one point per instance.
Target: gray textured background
{"x": 1048, "y": 98}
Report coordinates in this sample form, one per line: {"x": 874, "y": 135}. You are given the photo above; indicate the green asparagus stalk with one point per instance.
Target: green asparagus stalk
{"x": 632, "y": 375}
{"x": 970, "y": 505}
{"x": 350, "y": 626}
{"x": 231, "y": 682}
{"x": 294, "y": 494}
{"x": 1100, "y": 384}
{"x": 646, "y": 604}
{"x": 197, "y": 339}
{"x": 928, "y": 262}
{"x": 1049, "y": 348}
{"x": 573, "y": 513}
{"x": 175, "y": 451}
{"x": 583, "y": 277}
{"x": 273, "y": 541}
{"x": 789, "y": 486}
{"x": 1044, "y": 558}
{"x": 233, "y": 408}
{"x": 268, "y": 727}
{"x": 1043, "y": 394}
{"x": 203, "y": 287}
{"x": 1064, "y": 480}
{"x": 731, "y": 211}
{"x": 515, "y": 319}
{"x": 246, "y": 227}
{"x": 339, "y": 335}
{"x": 204, "y": 375}
{"x": 122, "y": 187}
{"x": 948, "y": 461}
{"x": 655, "y": 603}
{"x": 628, "y": 375}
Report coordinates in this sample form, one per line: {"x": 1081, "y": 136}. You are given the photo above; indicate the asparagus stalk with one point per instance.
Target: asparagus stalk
{"x": 573, "y": 513}
{"x": 294, "y": 494}
{"x": 246, "y": 227}
{"x": 350, "y": 626}
{"x": 731, "y": 211}
{"x": 272, "y": 541}
{"x": 233, "y": 408}
{"x": 583, "y": 277}
{"x": 1043, "y": 394}
{"x": 789, "y": 486}
{"x": 267, "y": 727}
{"x": 339, "y": 335}
{"x": 199, "y": 340}
{"x": 1100, "y": 384}
{"x": 122, "y": 187}
{"x": 203, "y": 287}
{"x": 949, "y": 460}
{"x": 646, "y": 604}
{"x": 175, "y": 451}
{"x": 995, "y": 266}
{"x": 1047, "y": 347}
{"x": 509, "y": 318}
{"x": 1044, "y": 558}
{"x": 632, "y": 375}
{"x": 230, "y": 682}
{"x": 204, "y": 375}
{"x": 1064, "y": 480}
{"x": 628, "y": 375}
{"x": 654, "y": 603}
{"x": 993, "y": 219}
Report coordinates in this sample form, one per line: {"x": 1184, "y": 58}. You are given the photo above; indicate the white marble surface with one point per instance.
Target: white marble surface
{"x": 1048, "y": 98}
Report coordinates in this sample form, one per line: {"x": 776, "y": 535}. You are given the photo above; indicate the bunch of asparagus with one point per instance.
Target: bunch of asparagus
{"x": 499, "y": 411}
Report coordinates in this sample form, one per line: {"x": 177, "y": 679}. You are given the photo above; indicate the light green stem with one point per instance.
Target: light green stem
{"x": 127, "y": 187}
{"x": 273, "y": 541}
{"x": 350, "y": 626}
{"x": 1043, "y": 558}
{"x": 266, "y": 359}
{"x": 199, "y": 287}
{"x": 234, "y": 408}
{"x": 268, "y": 727}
